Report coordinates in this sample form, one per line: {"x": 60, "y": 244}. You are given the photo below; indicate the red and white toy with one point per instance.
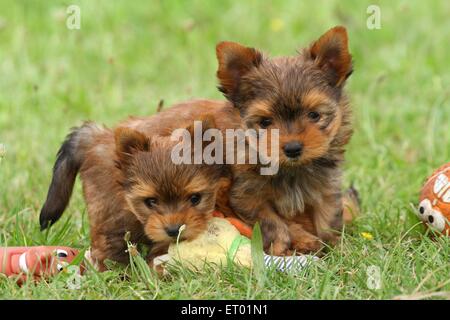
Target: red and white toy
{"x": 434, "y": 207}
{"x": 36, "y": 262}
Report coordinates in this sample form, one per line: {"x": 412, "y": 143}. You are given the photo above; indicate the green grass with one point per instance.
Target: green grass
{"x": 128, "y": 55}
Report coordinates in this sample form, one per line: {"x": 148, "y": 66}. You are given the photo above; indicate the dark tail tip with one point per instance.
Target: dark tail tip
{"x": 64, "y": 173}
{"x": 46, "y": 222}
{"x": 59, "y": 192}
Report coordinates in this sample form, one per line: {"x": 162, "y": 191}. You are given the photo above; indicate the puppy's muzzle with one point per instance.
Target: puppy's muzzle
{"x": 293, "y": 149}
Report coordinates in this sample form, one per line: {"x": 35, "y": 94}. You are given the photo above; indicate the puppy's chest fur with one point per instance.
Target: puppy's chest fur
{"x": 292, "y": 190}
{"x": 295, "y": 189}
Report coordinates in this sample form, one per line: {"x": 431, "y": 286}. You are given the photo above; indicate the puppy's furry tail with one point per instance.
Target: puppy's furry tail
{"x": 68, "y": 162}
{"x": 352, "y": 205}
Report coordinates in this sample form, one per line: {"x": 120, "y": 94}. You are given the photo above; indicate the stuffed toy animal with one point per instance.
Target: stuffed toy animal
{"x": 226, "y": 239}
{"x": 36, "y": 262}
{"x": 434, "y": 207}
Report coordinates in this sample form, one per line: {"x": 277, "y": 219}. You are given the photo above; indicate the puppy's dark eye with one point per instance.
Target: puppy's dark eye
{"x": 195, "y": 199}
{"x": 265, "y": 122}
{"x": 150, "y": 202}
{"x": 314, "y": 116}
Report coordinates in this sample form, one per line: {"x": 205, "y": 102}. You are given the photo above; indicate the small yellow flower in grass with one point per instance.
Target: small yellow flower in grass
{"x": 367, "y": 235}
{"x": 276, "y": 24}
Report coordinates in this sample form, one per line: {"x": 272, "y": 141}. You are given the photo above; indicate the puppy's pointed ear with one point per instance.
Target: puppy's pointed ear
{"x": 235, "y": 61}
{"x": 330, "y": 53}
{"x": 128, "y": 142}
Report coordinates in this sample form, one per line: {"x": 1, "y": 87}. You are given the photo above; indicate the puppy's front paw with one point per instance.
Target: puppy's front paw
{"x": 303, "y": 241}
{"x": 276, "y": 238}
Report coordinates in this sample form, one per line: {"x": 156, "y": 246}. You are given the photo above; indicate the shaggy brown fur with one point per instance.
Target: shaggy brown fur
{"x": 131, "y": 185}
{"x": 298, "y": 208}
{"x": 302, "y": 96}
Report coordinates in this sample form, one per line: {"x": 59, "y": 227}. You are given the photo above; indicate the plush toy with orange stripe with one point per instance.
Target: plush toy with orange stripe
{"x": 241, "y": 226}
{"x": 226, "y": 239}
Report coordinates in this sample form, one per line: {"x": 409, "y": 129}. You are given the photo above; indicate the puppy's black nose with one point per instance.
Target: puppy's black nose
{"x": 293, "y": 149}
{"x": 173, "y": 230}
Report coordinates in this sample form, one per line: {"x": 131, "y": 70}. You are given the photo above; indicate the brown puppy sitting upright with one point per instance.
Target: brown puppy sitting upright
{"x": 301, "y": 96}
{"x": 131, "y": 185}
